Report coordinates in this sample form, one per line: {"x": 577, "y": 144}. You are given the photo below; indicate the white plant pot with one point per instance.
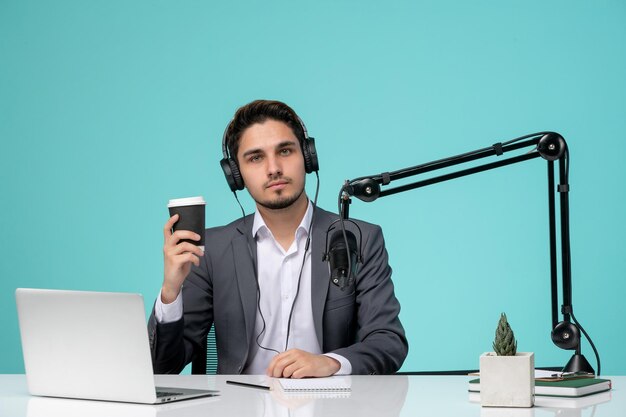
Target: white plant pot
{"x": 507, "y": 381}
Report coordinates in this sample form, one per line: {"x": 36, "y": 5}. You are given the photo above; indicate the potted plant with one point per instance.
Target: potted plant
{"x": 507, "y": 377}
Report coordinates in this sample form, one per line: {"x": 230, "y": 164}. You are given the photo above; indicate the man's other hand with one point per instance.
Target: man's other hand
{"x": 296, "y": 363}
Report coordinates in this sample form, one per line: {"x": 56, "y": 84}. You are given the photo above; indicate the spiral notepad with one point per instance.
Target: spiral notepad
{"x": 331, "y": 384}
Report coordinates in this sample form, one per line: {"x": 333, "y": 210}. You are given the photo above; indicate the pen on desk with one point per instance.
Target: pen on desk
{"x": 244, "y": 384}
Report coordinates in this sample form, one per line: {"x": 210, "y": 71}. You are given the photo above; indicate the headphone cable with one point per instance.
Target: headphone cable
{"x": 306, "y": 250}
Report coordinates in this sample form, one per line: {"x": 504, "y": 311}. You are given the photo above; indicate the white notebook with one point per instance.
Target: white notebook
{"x": 330, "y": 384}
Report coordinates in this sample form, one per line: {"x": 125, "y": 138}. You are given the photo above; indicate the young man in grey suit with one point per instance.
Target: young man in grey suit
{"x": 262, "y": 281}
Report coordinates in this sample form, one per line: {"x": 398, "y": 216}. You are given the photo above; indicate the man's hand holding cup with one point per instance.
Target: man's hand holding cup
{"x": 184, "y": 243}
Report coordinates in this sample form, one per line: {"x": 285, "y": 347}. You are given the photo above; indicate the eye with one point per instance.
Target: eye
{"x": 254, "y": 158}
{"x": 285, "y": 152}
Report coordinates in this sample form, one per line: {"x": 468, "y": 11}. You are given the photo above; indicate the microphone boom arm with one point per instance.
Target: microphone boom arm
{"x": 548, "y": 145}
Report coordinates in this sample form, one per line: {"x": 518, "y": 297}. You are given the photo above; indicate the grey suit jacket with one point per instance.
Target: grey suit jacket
{"x": 359, "y": 323}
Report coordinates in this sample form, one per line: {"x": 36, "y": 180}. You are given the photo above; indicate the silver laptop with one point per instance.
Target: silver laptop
{"x": 90, "y": 345}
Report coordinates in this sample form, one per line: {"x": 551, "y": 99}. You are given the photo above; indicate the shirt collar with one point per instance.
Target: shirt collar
{"x": 305, "y": 224}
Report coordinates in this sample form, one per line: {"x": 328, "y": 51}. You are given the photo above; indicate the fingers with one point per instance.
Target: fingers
{"x": 179, "y": 235}
{"x": 178, "y": 260}
{"x": 173, "y": 238}
{"x": 278, "y": 364}
{"x": 294, "y": 369}
{"x": 167, "y": 229}
{"x": 300, "y": 364}
{"x": 182, "y": 247}
{"x": 284, "y": 365}
{"x": 187, "y": 257}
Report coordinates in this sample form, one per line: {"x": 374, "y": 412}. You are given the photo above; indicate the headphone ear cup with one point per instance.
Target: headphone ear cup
{"x": 309, "y": 152}
{"x": 232, "y": 174}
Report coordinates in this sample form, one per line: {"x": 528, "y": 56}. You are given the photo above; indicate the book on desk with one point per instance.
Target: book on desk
{"x": 575, "y": 387}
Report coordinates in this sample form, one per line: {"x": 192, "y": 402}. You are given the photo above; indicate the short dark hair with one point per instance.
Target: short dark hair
{"x": 260, "y": 111}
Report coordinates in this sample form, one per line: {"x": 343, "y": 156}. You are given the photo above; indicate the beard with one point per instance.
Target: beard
{"x": 280, "y": 202}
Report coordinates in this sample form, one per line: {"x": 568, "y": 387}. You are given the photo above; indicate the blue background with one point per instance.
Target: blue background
{"x": 110, "y": 108}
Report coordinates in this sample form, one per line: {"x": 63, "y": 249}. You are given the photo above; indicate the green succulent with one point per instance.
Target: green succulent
{"x": 504, "y": 343}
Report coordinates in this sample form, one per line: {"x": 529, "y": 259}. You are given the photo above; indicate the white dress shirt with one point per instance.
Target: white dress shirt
{"x": 278, "y": 274}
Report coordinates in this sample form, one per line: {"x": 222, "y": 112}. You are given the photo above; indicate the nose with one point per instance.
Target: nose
{"x": 274, "y": 167}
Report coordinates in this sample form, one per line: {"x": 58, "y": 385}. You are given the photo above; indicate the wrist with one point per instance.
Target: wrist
{"x": 169, "y": 294}
{"x": 333, "y": 364}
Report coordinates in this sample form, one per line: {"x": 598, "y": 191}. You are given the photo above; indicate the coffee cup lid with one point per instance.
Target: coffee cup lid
{"x": 187, "y": 201}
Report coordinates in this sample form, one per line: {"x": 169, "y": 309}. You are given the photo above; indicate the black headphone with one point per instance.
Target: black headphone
{"x": 231, "y": 169}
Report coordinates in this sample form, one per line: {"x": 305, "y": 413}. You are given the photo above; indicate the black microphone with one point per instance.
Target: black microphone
{"x": 338, "y": 258}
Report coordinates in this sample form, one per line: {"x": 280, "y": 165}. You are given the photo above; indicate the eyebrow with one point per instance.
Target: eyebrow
{"x": 281, "y": 145}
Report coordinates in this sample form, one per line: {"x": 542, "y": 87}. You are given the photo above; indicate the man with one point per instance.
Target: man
{"x": 265, "y": 289}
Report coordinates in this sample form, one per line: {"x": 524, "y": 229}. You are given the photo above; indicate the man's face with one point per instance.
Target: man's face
{"x": 271, "y": 164}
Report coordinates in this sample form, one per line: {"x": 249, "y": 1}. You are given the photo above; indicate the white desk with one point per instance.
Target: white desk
{"x": 379, "y": 396}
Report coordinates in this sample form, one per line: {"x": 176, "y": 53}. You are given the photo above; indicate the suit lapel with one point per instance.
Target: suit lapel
{"x": 244, "y": 253}
{"x": 319, "y": 271}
